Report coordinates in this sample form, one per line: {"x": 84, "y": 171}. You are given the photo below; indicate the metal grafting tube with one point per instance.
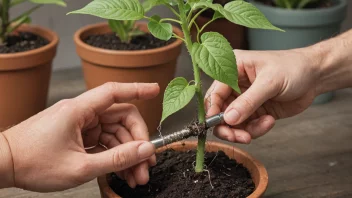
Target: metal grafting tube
{"x": 177, "y": 136}
{"x": 215, "y": 120}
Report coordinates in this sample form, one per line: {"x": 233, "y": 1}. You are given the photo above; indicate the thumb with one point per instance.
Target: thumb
{"x": 121, "y": 157}
{"x": 247, "y": 103}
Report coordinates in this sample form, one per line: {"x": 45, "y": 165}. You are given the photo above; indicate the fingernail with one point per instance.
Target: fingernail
{"x": 146, "y": 150}
{"x": 231, "y": 116}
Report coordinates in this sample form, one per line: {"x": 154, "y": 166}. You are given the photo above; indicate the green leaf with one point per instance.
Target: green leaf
{"x": 243, "y": 13}
{"x": 56, "y": 2}
{"x": 217, "y": 15}
{"x": 177, "y": 95}
{"x": 119, "y": 28}
{"x": 216, "y": 58}
{"x": 136, "y": 33}
{"x": 113, "y": 9}
{"x": 14, "y": 25}
{"x": 160, "y": 30}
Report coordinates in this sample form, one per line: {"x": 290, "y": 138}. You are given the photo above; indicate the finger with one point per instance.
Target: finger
{"x": 247, "y": 103}
{"x": 91, "y": 137}
{"x": 216, "y": 96}
{"x": 259, "y": 127}
{"x": 129, "y": 116}
{"x": 108, "y": 140}
{"x": 97, "y": 100}
{"x": 128, "y": 175}
{"x": 120, "y": 132}
{"x": 141, "y": 173}
{"x": 93, "y": 124}
{"x": 232, "y": 135}
{"x": 152, "y": 161}
{"x": 120, "y": 157}
{"x": 96, "y": 149}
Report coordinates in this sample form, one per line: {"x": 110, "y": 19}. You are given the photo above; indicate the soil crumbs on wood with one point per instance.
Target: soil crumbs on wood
{"x": 112, "y": 42}
{"x": 174, "y": 177}
{"x": 21, "y": 42}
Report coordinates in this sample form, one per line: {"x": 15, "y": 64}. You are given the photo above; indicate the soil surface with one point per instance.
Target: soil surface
{"x": 316, "y": 5}
{"x": 112, "y": 42}
{"x": 21, "y": 42}
{"x": 174, "y": 177}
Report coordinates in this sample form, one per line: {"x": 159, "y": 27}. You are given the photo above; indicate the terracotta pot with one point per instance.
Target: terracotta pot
{"x": 256, "y": 169}
{"x": 234, "y": 33}
{"x": 24, "y": 79}
{"x": 154, "y": 65}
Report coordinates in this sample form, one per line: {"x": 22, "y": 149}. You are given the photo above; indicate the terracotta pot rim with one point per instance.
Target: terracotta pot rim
{"x": 80, "y": 43}
{"x": 259, "y": 190}
{"x": 52, "y": 43}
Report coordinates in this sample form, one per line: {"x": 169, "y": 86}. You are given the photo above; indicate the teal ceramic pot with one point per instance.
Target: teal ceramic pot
{"x": 303, "y": 28}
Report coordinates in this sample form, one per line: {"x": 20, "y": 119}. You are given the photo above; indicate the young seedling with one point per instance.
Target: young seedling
{"x": 294, "y": 4}
{"x": 10, "y": 25}
{"x": 211, "y": 52}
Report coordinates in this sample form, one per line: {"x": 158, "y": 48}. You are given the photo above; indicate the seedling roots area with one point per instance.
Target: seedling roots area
{"x": 112, "y": 42}
{"x": 174, "y": 177}
{"x": 21, "y": 42}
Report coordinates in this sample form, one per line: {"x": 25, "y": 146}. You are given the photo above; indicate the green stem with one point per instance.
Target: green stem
{"x": 4, "y": 20}
{"x": 176, "y": 36}
{"x": 201, "y": 111}
{"x": 170, "y": 19}
{"x": 195, "y": 17}
{"x": 204, "y": 26}
{"x": 172, "y": 10}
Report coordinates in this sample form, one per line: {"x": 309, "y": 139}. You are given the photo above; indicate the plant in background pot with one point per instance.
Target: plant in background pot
{"x": 123, "y": 50}
{"x": 235, "y": 34}
{"x": 211, "y": 53}
{"x": 26, "y": 54}
{"x": 306, "y": 22}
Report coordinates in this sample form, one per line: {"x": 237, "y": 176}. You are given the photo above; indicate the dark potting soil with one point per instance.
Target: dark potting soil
{"x": 174, "y": 177}
{"x": 314, "y": 5}
{"x": 21, "y": 42}
{"x": 112, "y": 42}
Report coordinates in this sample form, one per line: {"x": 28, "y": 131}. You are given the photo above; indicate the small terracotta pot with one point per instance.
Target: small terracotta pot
{"x": 154, "y": 65}
{"x": 234, "y": 33}
{"x": 24, "y": 79}
{"x": 256, "y": 169}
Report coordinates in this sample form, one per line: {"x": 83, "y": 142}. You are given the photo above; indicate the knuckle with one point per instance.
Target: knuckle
{"x": 111, "y": 86}
{"x": 247, "y": 103}
{"x": 138, "y": 90}
{"x": 121, "y": 160}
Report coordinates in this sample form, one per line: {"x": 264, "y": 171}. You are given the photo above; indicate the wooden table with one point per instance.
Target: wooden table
{"x": 306, "y": 156}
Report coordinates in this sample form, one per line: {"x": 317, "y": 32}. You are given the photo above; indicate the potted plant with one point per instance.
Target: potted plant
{"x": 305, "y": 21}
{"x": 212, "y": 54}
{"x": 235, "y": 34}
{"x": 123, "y": 50}
{"x": 26, "y": 54}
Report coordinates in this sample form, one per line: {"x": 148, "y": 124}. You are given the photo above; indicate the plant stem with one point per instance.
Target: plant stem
{"x": 201, "y": 111}
{"x": 170, "y": 19}
{"x": 202, "y": 29}
{"x": 195, "y": 17}
{"x": 172, "y": 10}
{"x": 4, "y": 20}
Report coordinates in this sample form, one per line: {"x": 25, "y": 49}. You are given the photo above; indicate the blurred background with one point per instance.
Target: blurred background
{"x": 55, "y": 18}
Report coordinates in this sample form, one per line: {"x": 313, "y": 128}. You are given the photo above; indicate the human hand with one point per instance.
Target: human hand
{"x": 274, "y": 84}
{"x": 48, "y": 149}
